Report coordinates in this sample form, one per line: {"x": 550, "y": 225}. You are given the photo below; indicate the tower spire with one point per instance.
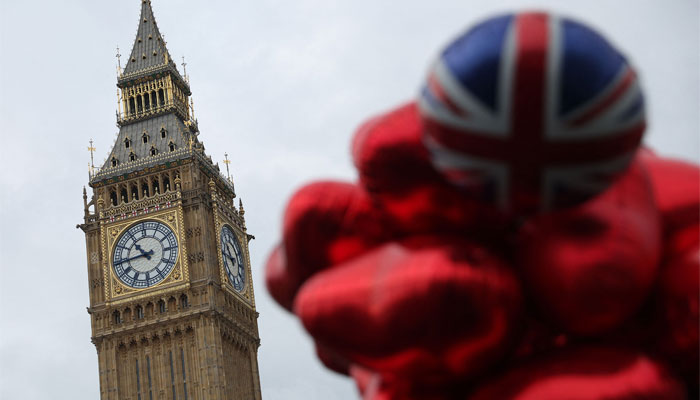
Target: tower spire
{"x": 149, "y": 48}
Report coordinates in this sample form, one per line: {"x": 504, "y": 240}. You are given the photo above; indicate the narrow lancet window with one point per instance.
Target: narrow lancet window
{"x": 172, "y": 375}
{"x": 184, "y": 376}
{"x": 150, "y": 386}
{"x": 138, "y": 381}
{"x": 183, "y": 301}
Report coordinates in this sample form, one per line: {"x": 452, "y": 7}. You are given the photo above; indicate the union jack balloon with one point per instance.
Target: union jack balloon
{"x": 532, "y": 112}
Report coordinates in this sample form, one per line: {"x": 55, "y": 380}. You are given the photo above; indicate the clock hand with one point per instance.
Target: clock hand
{"x": 132, "y": 258}
{"x": 147, "y": 254}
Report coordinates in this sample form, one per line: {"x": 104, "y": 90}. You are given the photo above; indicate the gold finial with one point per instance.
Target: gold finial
{"x": 119, "y": 104}
{"x": 191, "y": 142}
{"x": 92, "y": 150}
{"x": 240, "y": 207}
{"x": 119, "y": 62}
{"x": 227, "y": 162}
{"x": 184, "y": 70}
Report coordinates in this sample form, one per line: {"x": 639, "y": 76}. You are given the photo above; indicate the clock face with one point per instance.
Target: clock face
{"x": 234, "y": 263}
{"x": 145, "y": 254}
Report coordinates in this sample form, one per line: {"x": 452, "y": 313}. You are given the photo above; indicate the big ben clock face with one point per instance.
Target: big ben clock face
{"x": 145, "y": 254}
{"x": 234, "y": 263}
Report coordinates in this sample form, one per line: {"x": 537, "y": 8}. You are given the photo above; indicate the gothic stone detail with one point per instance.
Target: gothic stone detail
{"x": 191, "y": 335}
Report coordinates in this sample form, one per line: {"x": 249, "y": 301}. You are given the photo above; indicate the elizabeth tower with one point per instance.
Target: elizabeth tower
{"x": 171, "y": 295}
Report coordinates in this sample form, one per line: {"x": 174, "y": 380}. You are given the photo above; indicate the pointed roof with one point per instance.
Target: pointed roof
{"x": 149, "y": 50}
{"x": 162, "y": 135}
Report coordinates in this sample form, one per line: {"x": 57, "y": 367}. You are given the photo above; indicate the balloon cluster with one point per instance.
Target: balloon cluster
{"x": 423, "y": 282}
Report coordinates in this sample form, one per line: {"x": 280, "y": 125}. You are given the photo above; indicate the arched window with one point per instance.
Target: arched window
{"x": 163, "y": 133}
{"x": 183, "y": 302}
{"x": 172, "y": 304}
{"x": 132, "y": 106}
{"x": 145, "y": 137}
{"x": 113, "y": 197}
{"x": 127, "y": 143}
{"x": 132, "y": 156}
{"x": 144, "y": 190}
{"x": 156, "y": 188}
{"x": 154, "y": 99}
{"x": 139, "y": 104}
{"x": 161, "y": 306}
{"x": 166, "y": 183}
{"x": 117, "y": 317}
{"x": 135, "y": 192}
{"x": 139, "y": 312}
{"x": 161, "y": 97}
{"x": 153, "y": 150}
{"x": 124, "y": 195}
{"x": 114, "y": 161}
{"x": 171, "y": 146}
{"x": 147, "y": 101}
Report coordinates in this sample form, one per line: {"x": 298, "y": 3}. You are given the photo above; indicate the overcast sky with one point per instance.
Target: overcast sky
{"x": 280, "y": 85}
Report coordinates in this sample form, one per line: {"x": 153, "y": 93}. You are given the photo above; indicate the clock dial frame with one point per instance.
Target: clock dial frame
{"x": 233, "y": 259}
{"x": 145, "y": 254}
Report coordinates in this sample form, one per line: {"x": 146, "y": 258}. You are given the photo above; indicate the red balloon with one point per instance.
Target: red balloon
{"x": 590, "y": 268}
{"x": 676, "y": 190}
{"x": 395, "y": 168}
{"x": 679, "y": 298}
{"x": 588, "y": 373}
{"x": 375, "y": 386}
{"x": 430, "y": 308}
{"x": 332, "y": 360}
{"x": 281, "y": 286}
{"x": 325, "y": 223}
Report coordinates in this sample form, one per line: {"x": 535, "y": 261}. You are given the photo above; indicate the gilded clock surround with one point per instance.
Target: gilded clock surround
{"x": 176, "y": 279}
{"x": 224, "y": 214}
{"x": 191, "y": 335}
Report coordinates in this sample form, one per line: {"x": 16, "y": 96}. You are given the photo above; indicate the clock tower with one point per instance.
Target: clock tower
{"x": 171, "y": 296}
